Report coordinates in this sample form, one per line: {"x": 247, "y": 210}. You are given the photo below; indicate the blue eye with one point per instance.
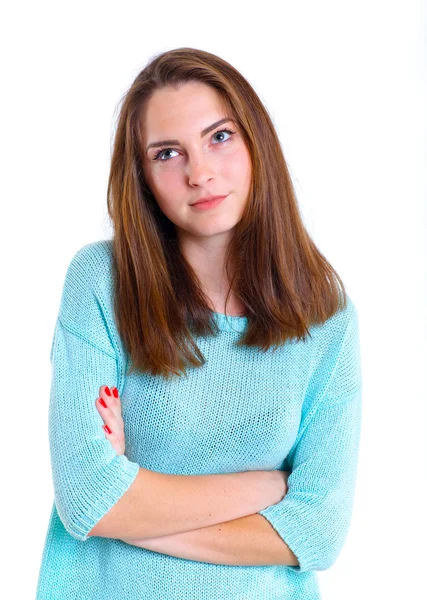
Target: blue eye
{"x": 224, "y": 131}
{"x": 160, "y": 152}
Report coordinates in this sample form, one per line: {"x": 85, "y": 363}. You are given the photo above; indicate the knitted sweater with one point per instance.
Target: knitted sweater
{"x": 296, "y": 409}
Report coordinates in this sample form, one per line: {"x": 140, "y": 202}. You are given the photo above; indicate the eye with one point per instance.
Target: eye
{"x": 160, "y": 152}
{"x": 224, "y": 131}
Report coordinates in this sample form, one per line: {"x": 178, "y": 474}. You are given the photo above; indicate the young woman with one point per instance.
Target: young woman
{"x": 220, "y": 351}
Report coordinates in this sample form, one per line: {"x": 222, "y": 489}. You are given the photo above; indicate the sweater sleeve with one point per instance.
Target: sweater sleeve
{"x": 88, "y": 476}
{"x": 314, "y": 517}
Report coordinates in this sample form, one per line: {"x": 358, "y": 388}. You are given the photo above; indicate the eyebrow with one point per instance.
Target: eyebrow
{"x": 203, "y": 133}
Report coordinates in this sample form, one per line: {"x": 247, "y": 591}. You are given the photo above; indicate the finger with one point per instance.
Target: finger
{"x": 117, "y": 407}
{"x": 114, "y": 432}
{"x": 108, "y": 415}
{"x": 116, "y": 441}
{"x": 112, "y": 400}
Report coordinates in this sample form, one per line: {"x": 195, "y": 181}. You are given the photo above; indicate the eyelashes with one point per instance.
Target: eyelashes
{"x": 157, "y": 156}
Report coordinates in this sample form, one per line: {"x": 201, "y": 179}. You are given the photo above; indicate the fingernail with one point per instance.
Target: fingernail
{"x": 102, "y": 402}
{"x": 115, "y": 392}
{"x": 107, "y": 390}
{"x": 107, "y": 429}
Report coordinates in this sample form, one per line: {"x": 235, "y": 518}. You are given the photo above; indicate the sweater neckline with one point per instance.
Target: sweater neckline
{"x": 230, "y": 323}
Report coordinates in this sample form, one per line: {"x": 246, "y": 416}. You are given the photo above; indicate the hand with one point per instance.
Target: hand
{"x": 112, "y": 416}
{"x": 275, "y": 486}
{"x": 271, "y": 485}
{"x": 285, "y": 475}
{"x": 283, "y": 479}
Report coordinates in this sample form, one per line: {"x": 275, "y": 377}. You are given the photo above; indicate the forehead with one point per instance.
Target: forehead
{"x": 191, "y": 106}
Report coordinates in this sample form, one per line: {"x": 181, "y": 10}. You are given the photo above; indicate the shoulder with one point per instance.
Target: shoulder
{"x": 87, "y": 303}
{"x": 330, "y": 334}
{"x": 91, "y": 264}
{"x": 342, "y": 322}
{"x": 334, "y": 353}
{"x": 341, "y": 359}
{"x": 89, "y": 274}
{"x": 98, "y": 250}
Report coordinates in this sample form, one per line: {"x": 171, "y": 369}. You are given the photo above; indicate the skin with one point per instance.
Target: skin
{"x": 246, "y": 541}
{"x": 215, "y": 164}
{"x": 112, "y": 417}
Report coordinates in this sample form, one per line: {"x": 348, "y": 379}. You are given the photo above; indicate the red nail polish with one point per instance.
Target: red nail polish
{"x": 107, "y": 429}
{"x": 102, "y": 402}
{"x": 107, "y": 390}
{"x": 115, "y": 392}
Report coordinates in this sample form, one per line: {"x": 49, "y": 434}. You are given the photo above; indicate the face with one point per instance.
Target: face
{"x": 194, "y": 163}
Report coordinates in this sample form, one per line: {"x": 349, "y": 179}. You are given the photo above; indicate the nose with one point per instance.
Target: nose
{"x": 199, "y": 171}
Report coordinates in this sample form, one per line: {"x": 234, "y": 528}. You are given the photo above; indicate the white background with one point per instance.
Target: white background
{"x": 345, "y": 85}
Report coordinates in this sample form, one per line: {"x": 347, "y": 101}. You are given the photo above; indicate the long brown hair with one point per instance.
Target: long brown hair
{"x": 284, "y": 282}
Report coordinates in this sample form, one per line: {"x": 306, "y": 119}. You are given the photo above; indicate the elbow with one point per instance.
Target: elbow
{"x": 315, "y": 548}
{"x": 327, "y": 547}
{"x": 76, "y": 515}
{"x": 83, "y": 504}
{"x": 72, "y": 519}
{"x": 326, "y": 559}
{"x": 315, "y": 531}
{"x": 314, "y": 557}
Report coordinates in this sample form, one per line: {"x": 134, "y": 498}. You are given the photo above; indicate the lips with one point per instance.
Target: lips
{"x": 207, "y": 199}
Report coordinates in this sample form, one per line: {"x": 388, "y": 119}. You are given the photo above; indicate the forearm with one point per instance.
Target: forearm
{"x": 158, "y": 504}
{"x": 247, "y": 541}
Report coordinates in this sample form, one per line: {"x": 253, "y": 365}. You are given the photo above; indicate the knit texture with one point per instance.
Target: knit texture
{"x": 297, "y": 408}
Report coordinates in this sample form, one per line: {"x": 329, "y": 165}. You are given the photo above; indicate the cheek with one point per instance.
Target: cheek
{"x": 238, "y": 168}
{"x": 162, "y": 183}
{"x": 165, "y": 180}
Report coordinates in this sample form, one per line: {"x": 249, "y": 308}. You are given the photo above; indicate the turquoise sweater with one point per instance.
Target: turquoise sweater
{"x": 297, "y": 409}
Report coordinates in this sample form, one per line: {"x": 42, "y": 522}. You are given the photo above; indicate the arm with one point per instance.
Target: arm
{"x": 158, "y": 504}
{"x": 88, "y": 477}
{"x": 235, "y": 542}
{"x": 101, "y": 494}
{"x": 248, "y": 541}
{"x": 314, "y": 516}
{"x": 98, "y": 492}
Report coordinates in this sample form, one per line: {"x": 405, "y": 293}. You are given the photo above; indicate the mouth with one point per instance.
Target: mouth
{"x": 209, "y": 202}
